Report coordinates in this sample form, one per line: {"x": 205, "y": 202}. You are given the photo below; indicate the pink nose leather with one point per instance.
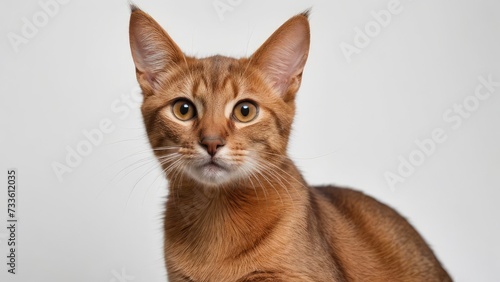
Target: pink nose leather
{"x": 212, "y": 144}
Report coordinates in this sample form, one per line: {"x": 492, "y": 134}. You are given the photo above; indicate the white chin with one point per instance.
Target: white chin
{"x": 211, "y": 175}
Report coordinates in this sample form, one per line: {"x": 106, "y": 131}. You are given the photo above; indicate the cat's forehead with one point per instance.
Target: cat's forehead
{"x": 217, "y": 76}
{"x": 219, "y": 63}
{"x": 216, "y": 69}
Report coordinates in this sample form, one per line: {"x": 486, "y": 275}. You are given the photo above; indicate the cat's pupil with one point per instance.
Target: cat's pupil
{"x": 184, "y": 109}
{"x": 245, "y": 110}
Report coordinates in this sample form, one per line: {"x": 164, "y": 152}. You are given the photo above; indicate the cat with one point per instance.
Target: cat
{"x": 238, "y": 208}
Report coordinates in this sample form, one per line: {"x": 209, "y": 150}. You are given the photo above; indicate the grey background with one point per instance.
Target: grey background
{"x": 102, "y": 222}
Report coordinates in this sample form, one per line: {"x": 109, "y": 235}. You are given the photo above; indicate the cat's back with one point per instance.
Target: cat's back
{"x": 356, "y": 206}
{"x": 371, "y": 241}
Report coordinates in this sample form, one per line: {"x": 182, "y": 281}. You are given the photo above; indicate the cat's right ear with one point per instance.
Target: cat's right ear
{"x": 153, "y": 51}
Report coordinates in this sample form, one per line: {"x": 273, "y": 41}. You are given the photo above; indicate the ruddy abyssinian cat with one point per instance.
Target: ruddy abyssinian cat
{"x": 238, "y": 208}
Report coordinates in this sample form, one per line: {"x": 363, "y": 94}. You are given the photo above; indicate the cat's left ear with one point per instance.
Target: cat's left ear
{"x": 284, "y": 54}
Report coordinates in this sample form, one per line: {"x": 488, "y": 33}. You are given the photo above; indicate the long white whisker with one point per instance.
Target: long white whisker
{"x": 135, "y": 165}
{"x": 139, "y": 138}
{"x": 289, "y": 175}
{"x": 248, "y": 172}
{"x": 145, "y": 161}
{"x": 259, "y": 171}
{"x": 173, "y": 166}
{"x": 271, "y": 172}
{"x": 164, "y": 171}
{"x": 294, "y": 157}
{"x": 252, "y": 174}
{"x": 166, "y": 159}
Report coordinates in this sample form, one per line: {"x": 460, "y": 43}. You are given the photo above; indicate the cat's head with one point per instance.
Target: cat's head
{"x": 218, "y": 119}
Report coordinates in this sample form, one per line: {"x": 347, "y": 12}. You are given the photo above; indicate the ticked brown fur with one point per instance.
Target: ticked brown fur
{"x": 238, "y": 208}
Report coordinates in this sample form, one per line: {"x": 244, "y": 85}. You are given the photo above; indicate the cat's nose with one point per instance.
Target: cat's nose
{"x": 212, "y": 144}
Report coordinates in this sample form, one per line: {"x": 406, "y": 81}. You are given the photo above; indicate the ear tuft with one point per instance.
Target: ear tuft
{"x": 133, "y": 7}
{"x": 306, "y": 13}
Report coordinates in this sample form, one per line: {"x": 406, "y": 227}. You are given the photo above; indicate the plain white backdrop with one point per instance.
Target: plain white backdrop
{"x": 67, "y": 87}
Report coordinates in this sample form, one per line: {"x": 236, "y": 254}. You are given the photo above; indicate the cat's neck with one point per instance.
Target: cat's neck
{"x": 276, "y": 187}
{"x": 218, "y": 216}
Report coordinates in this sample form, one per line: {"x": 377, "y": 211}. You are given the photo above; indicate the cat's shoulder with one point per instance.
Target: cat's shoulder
{"x": 352, "y": 201}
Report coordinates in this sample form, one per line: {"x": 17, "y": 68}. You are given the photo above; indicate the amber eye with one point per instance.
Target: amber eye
{"x": 184, "y": 110}
{"x": 245, "y": 111}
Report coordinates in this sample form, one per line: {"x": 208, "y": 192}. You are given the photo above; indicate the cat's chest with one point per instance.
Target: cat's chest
{"x": 249, "y": 243}
{"x": 273, "y": 260}
{"x": 219, "y": 257}
{"x": 240, "y": 271}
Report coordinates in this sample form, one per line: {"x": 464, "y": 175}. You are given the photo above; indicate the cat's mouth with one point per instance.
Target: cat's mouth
{"x": 213, "y": 166}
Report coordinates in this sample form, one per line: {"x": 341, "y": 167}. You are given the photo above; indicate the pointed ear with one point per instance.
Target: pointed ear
{"x": 153, "y": 51}
{"x": 283, "y": 56}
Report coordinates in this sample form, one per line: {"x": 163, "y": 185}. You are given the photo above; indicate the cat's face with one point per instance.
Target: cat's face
{"x": 218, "y": 120}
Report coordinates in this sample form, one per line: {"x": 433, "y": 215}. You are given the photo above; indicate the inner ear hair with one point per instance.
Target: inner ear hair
{"x": 153, "y": 50}
{"x": 283, "y": 56}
